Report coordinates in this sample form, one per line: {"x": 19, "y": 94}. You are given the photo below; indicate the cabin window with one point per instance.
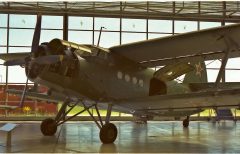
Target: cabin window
{"x": 134, "y": 80}
{"x": 127, "y": 78}
{"x": 119, "y": 75}
{"x": 140, "y": 83}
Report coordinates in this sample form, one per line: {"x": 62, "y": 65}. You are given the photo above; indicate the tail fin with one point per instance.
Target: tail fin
{"x": 198, "y": 75}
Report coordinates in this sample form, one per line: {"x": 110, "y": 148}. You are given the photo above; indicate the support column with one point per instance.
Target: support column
{"x": 65, "y": 27}
{"x": 199, "y": 13}
{"x": 223, "y": 24}
{"x": 173, "y": 21}
{"x": 147, "y": 29}
{"x": 120, "y": 37}
{"x": 93, "y": 26}
{"x": 6, "y": 99}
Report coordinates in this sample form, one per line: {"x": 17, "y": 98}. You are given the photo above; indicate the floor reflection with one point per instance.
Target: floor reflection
{"x": 108, "y": 148}
{"x": 161, "y": 137}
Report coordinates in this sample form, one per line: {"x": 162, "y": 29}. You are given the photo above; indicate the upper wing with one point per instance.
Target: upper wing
{"x": 209, "y": 43}
{"x": 194, "y": 100}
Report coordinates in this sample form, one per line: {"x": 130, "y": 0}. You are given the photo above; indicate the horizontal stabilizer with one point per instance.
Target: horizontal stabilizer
{"x": 171, "y": 72}
{"x": 36, "y": 96}
{"x": 8, "y": 107}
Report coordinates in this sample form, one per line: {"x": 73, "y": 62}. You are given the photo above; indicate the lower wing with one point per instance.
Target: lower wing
{"x": 211, "y": 85}
{"x": 177, "y": 104}
{"x": 195, "y": 101}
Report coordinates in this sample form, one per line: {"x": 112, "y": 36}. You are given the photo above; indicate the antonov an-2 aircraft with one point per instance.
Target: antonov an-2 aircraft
{"x": 120, "y": 78}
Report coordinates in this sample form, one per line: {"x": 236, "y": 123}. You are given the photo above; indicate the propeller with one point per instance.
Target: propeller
{"x": 32, "y": 58}
{"x": 14, "y": 62}
{"x": 35, "y": 44}
{"x": 36, "y": 35}
{"x": 50, "y": 59}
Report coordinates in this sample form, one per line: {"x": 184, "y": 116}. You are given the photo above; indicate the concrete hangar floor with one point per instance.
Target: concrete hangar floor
{"x": 160, "y": 137}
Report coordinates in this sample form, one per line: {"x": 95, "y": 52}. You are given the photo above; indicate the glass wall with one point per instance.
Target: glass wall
{"x": 80, "y": 30}
{"x": 16, "y": 36}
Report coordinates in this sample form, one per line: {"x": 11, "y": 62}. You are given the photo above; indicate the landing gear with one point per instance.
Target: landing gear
{"x": 186, "y": 122}
{"x": 48, "y": 127}
{"x": 108, "y": 133}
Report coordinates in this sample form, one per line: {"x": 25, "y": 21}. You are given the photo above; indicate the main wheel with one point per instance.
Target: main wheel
{"x": 48, "y": 127}
{"x": 108, "y": 133}
{"x": 185, "y": 123}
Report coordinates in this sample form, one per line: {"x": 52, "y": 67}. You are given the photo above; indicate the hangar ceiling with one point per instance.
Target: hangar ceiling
{"x": 204, "y": 11}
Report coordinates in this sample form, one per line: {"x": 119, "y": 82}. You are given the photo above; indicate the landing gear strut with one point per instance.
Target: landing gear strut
{"x": 186, "y": 122}
{"x": 108, "y": 131}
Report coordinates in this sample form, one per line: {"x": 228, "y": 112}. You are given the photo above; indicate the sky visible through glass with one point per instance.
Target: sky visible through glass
{"x": 85, "y": 30}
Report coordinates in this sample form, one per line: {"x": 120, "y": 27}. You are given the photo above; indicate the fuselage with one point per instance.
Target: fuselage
{"x": 99, "y": 75}
{"x": 101, "y": 81}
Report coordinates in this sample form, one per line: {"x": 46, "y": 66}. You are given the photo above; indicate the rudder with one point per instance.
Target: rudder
{"x": 198, "y": 75}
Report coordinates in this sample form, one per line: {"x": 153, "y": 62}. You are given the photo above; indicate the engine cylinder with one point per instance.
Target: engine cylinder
{"x": 33, "y": 69}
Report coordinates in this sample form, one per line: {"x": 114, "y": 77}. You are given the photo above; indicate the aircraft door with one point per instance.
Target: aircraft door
{"x": 157, "y": 87}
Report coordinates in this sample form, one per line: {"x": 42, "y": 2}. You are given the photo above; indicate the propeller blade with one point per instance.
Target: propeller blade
{"x": 24, "y": 94}
{"x": 14, "y": 62}
{"x": 37, "y": 33}
{"x": 51, "y": 59}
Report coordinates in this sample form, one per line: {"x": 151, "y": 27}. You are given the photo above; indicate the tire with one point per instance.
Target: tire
{"x": 108, "y": 133}
{"x": 48, "y": 127}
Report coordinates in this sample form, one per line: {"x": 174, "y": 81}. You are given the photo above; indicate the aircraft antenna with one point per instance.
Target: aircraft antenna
{"x": 100, "y": 35}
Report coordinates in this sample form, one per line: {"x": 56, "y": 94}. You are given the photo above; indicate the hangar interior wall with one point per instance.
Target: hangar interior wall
{"x": 16, "y": 31}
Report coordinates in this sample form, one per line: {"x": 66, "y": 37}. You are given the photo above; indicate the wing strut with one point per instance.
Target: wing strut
{"x": 231, "y": 45}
